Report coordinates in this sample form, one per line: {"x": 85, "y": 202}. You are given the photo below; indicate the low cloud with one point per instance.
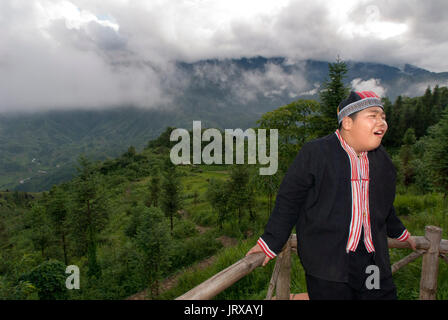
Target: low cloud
{"x": 369, "y": 85}
{"x": 418, "y": 89}
{"x": 246, "y": 84}
{"x": 273, "y": 81}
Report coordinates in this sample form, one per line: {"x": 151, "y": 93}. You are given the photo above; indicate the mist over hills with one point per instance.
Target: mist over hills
{"x": 40, "y": 149}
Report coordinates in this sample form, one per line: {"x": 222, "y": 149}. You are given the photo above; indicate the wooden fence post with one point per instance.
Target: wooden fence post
{"x": 284, "y": 276}
{"x": 430, "y": 264}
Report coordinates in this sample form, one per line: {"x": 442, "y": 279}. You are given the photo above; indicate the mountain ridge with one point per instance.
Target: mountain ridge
{"x": 228, "y": 93}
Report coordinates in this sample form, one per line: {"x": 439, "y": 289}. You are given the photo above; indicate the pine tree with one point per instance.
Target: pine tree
{"x": 154, "y": 245}
{"x": 406, "y": 156}
{"x": 443, "y": 98}
{"x": 420, "y": 128}
{"x": 396, "y": 122}
{"x": 333, "y": 92}
{"x": 437, "y": 154}
{"x": 427, "y": 101}
{"x": 90, "y": 212}
{"x": 436, "y": 110}
{"x": 268, "y": 185}
{"x": 154, "y": 190}
{"x": 171, "y": 191}
{"x": 218, "y": 194}
{"x": 57, "y": 206}
{"x": 239, "y": 179}
{"x": 41, "y": 232}
{"x": 408, "y": 115}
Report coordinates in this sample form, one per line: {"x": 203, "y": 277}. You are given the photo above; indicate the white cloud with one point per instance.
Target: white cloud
{"x": 369, "y": 85}
{"x": 372, "y": 27}
{"x": 313, "y": 91}
{"x": 418, "y": 89}
{"x": 274, "y": 81}
{"x": 75, "y": 18}
{"x": 91, "y": 53}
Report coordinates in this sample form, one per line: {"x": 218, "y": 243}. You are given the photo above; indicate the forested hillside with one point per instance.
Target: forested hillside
{"x": 130, "y": 222}
{"x": 40, "y": 149}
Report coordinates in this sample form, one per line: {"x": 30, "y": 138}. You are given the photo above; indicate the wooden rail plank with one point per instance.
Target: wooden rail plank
{"x": 224, "y": 279}
{"x": 420, "y": 242}
{"x": 444, "y": 257}
{"x": 409, "y": 258}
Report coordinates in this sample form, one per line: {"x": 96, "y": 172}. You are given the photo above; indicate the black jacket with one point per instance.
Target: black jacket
{"x": 315, "y": 195}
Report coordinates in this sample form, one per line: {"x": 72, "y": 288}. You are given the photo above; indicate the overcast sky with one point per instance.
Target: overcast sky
{"x": 91, "y": 53}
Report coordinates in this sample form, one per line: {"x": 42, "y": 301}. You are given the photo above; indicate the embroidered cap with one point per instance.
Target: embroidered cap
{"x": 358, "y": 101}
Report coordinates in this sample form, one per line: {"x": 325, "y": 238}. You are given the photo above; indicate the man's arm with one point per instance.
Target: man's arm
{"x": 290, "y": 198}
{"x": 396, "y": 229}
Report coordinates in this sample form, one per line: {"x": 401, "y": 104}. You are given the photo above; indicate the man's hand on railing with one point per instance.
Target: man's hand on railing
{"x": 255, "y": 249}
{"x": 411, "y": 242}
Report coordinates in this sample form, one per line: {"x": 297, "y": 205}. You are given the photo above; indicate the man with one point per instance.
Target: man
{"x": 339, "y": 192}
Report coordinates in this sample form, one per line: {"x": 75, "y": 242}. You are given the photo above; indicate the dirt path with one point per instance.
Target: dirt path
{"x": 171, "y": 281}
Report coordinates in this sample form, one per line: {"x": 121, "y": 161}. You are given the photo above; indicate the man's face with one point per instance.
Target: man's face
{"x": 368, "y": 128}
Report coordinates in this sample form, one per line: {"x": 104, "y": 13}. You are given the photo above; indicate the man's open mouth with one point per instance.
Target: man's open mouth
{"x": 379, "y": 133}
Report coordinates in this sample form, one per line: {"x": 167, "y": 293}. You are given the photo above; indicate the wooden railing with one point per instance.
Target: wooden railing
{"x": 431, "y": 246}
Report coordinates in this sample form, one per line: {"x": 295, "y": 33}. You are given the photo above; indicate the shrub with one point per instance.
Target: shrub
{"x": 184, "y": 228}
{"x": 49, "y": 279}
{"x": 189, "y": 250}
{"x": 406, "y": 204}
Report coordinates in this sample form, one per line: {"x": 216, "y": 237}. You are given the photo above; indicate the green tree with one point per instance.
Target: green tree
{"x": 420, "y": 128}
{"x": 49, "y": 279}
{"x": 135, "y": 213}
{"x": 154, "y": 190}
{"x": 153, "y": 242}
{"x": 90, "y": 212}
{"x": 57, "y": 207}
{"x": 163, "y": 141}
{"x": 437, "y": 153}
{"x": 408, "y": 114}
{"x": 268, "y": 185}
{"x": 131, "y": 153}
{"x": 396, "y": 122}
{"x": 239, "y": 197}
{"x": 422, "y": 172}
{"x": 296, "y": 124}
{"x": 252, "y": 188}
{"x": 171, "y": 191}
{"x": 407, "y": 155}
{"x": 41, "y": 231}
{"x": 427, "y": 101}
{"x": 218, "y": 194}
{"x": 436, "y": 110}
{"x": 332, "y": 93}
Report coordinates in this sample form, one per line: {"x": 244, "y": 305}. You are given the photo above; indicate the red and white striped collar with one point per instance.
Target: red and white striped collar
{"x": 360, "y": 214}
